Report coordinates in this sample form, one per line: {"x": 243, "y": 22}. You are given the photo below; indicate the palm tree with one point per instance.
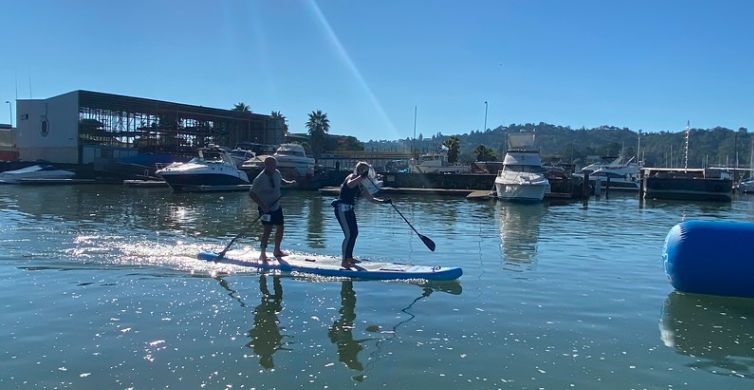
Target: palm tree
{"x": 483, "y": 153}
{"x": 453, "y": 143}
{"x": 318, "y": 126}
{"x": 241, "y": 107}
{"x": 278, "y": 115}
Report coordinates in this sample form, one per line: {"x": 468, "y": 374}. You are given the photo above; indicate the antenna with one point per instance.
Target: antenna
{"x": 414, "y": 139}
{"x": 686, "y": 155}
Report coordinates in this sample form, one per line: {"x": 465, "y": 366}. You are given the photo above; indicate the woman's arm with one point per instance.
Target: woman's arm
{"x": 368, "y": 195}
{"x": 353, "y": 180}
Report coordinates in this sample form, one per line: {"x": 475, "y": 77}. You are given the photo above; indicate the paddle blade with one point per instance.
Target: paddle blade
{"x": 429, "y": 243}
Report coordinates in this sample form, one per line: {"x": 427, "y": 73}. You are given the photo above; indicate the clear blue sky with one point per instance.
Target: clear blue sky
{"x": 647, "y": 65}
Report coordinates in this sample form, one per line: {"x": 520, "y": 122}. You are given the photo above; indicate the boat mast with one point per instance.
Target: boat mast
{"x": 686, "y": 152}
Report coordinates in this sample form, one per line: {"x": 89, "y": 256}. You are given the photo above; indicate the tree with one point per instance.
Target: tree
{"x": 318, "y": 126}
{"x": 241, "y": 107}
{"x": 453, "y": 143}
{"x": 483, "y": 153}
{"x": 278, "y": 115}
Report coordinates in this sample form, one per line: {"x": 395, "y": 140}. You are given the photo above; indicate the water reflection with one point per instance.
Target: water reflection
{"x": 688, "y": 208}
{"x": 315, "y": 236}
{"x": 519, "y": 233}
{"x": 207, "y": 214}
{"x": 716, "y": 331}
{"x": 341, "y": 331}
{"x": 265, "y": 336}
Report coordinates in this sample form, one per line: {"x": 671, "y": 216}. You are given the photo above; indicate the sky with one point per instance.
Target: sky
{"x": 370, "y": 65}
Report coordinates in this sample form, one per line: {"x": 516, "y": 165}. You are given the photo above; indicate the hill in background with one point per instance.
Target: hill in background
{"x": 707, "y": 147}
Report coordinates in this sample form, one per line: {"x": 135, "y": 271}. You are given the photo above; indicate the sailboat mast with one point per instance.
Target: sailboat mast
{"x": 686, "y": 152}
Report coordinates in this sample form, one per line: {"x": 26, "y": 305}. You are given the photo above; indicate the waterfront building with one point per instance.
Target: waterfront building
{"x": 83, "y": 127}
{"x": 8, "y": 142}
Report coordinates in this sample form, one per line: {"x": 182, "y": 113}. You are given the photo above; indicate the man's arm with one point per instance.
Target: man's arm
{"x": 286, "y": 182}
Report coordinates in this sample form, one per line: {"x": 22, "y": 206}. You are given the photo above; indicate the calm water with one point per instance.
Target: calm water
{"x": 99, "y": 289}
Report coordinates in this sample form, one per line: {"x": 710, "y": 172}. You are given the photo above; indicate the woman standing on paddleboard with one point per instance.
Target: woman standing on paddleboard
{"x": 356, "y": 182}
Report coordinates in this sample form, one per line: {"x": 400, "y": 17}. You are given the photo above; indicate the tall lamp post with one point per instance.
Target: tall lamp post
{"x": 10, "y": 110}
{"x": 485, "y": 116}
{"x": 413, "y": 150}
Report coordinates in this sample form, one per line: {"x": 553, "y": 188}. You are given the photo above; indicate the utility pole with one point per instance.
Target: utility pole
{"x": 485, "y": 116}
{"x": 413, "y": 151}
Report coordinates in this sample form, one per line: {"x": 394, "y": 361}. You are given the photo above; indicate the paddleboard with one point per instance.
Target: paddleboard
{"x": 330, "y": 266}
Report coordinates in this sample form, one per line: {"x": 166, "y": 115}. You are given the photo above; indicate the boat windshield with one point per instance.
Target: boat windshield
{"x": 290, "y": 152}
{"x": 524, "y": 168}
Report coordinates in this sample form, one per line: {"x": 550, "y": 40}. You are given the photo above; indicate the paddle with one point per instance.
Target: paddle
{"x": 429, "y": 243}
{"x": 222, "y": 253}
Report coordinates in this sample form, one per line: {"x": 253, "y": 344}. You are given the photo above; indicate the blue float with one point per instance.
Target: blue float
{"x": 711, "y": 257}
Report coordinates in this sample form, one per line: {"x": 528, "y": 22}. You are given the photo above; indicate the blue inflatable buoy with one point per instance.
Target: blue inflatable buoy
{"x": 711, "y": 257}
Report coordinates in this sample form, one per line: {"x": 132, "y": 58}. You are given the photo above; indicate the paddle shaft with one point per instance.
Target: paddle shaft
{"x": 222, "y": 253}
{"x": 426, "y": 240}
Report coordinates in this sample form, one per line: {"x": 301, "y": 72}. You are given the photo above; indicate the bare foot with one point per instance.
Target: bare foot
{"x": 281, "y": 254}
{"x": 347, "y": 263}
{"x": 263, "y": 258}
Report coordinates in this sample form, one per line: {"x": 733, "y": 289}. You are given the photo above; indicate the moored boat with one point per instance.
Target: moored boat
{"x": 436, "y": 163}
{"x": 522, "y": 178}
{"x": 292, "y": 161}
{"x": 38, "y": 171}
{"x": 212, "y": 170}
{"x": 687, "y": 184}
{"x": 623, "y": 175}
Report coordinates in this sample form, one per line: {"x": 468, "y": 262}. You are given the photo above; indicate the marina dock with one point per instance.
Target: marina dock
{"x": 410, "y": 190}
{"x": 56, "y": 181}
{"x": 145, "y": 183}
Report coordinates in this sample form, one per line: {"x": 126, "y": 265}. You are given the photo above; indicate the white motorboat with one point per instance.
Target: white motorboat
{"x": 746, "y": 186}
{"x": 241, "y": 155}
{"x": 436, "y": 163}
{"x": 213, "y": 170}
{"x": 291, "y": 158}
{"x": 38, "y": 171}
{"x": 522, "y": 178}
{"x": 623, "y": 175}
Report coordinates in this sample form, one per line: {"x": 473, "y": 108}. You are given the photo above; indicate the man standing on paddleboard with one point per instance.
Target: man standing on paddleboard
{"x": 265, "y": 191}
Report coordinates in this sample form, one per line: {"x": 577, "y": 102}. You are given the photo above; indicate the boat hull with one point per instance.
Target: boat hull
{"x": 694, "y": 188}
{"x": 34, "y": 172}
{"x": 204, "y": 182}
{"x": 526, "y": 193}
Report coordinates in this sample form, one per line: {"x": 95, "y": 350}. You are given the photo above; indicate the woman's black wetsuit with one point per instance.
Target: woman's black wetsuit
{"x": 347, "y": 218}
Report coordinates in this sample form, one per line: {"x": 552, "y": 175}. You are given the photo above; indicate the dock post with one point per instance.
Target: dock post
{"x": 641, "y": 185}
{"x": 585, "y": 186}
{"x": 607, "y": 188}
{"x": 597, "y": 187}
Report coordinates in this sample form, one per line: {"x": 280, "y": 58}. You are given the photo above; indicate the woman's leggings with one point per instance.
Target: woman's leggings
{"x": 347, "y": 220}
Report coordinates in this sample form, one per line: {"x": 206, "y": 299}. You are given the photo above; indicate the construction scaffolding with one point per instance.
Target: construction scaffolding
{"x": 151, "y": 126}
